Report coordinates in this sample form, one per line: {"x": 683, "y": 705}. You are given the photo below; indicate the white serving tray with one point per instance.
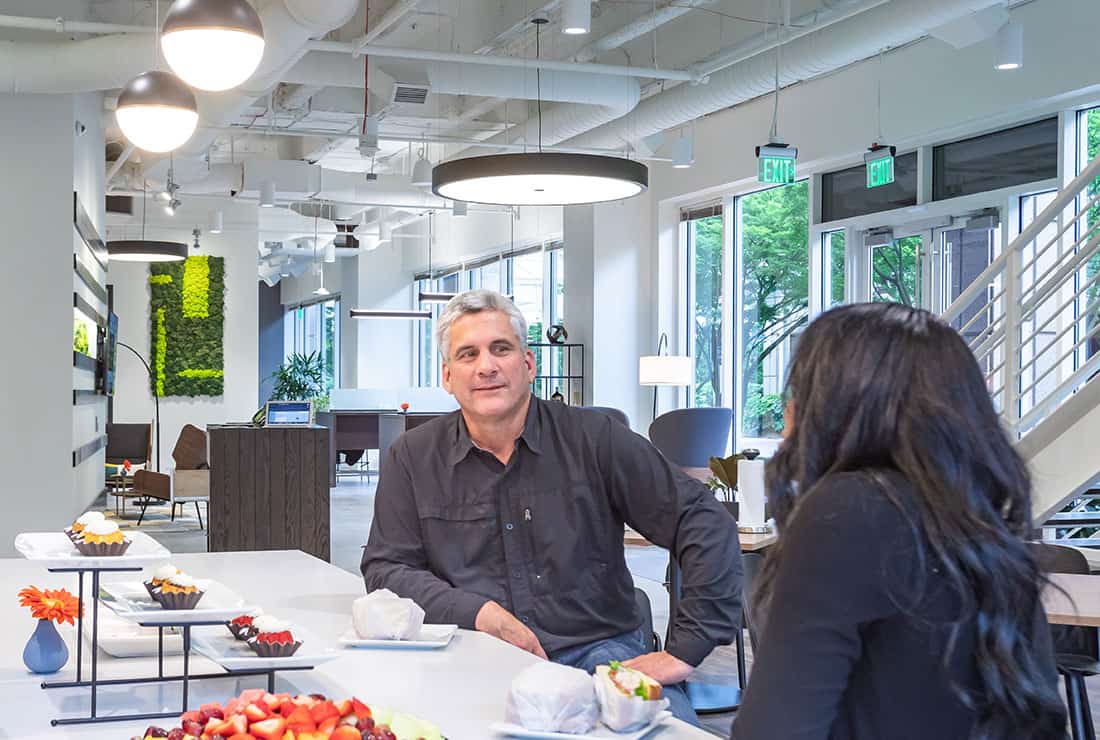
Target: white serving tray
{"x": 431, "y": 637}
{"x": 599, "y": 731}
{"x": 120, "y": 638}
{"x": 220, "y": 646}
{"x": 130, "y": 600}
{"x": 56, "y": 550}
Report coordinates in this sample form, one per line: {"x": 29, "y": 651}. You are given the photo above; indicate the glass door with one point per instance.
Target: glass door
{"x": 897, "y": 267}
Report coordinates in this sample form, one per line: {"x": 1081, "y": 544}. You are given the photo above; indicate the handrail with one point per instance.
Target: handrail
{"x": 1063, "y": 199}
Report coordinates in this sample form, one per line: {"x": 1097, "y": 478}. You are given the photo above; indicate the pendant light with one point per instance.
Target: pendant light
{"x": 156, "y": 111}
{"x": 422, "y": 172}
{"x": 539, "y": 178}
{"x": 212, "y": 44}
{"x": 145, "y": 250}
{"x": 1010, "y": 46}
{"x": 576, "y": 17}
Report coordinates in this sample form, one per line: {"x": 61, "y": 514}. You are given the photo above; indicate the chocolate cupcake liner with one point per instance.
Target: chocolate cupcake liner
{"x": 175, "y": 601}
{"x": 154, "y": 591}
{"x": 273, "y": 650}
{"x": 100, "y": 550}
{"x": 73, "y": 536}
{"x": 240, "y": 631}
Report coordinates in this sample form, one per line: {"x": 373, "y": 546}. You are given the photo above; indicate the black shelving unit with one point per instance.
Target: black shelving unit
{"x": 561, "y": 368}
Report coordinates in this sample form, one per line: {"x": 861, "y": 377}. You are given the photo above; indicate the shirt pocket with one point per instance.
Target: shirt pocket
{"x": 567, "y": 531}
{"x": 462, "y": 541}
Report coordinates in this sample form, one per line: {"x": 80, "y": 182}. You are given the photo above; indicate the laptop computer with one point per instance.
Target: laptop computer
{"x": 289, "y": 413}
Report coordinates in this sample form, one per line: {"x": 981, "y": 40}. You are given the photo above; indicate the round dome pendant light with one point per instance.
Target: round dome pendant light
{"x": 539, "y": 178}
{"x": 212, "y": 44}
{"x": 157, "y": 112}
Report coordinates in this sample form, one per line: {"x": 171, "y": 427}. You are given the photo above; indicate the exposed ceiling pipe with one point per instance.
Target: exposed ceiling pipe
{"x": 119, "y": 163}
{"x": 428, "y": 55}
{"x": 392, "y": 17}
{"x": 639, "y": 27}
{"x": 60, "y": 25}
{"x": 101, "y": 63}
{"x": 896, "y": 23}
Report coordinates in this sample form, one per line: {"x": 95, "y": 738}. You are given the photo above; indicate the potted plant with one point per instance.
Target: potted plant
{"x": 300, "y": 378}
{"x": 723, "y": 482}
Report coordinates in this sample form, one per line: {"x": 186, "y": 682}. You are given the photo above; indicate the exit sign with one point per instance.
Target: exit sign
{"x": 775, "y": 164}
{"x": 880, "y": 166}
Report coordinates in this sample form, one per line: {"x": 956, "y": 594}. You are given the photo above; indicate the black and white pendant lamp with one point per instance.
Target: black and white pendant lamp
{"x": 145, "y": 250}
{"x": 540, "y": 178}
{"x": 157, "y": 112}
{"x": 212, "y": 44}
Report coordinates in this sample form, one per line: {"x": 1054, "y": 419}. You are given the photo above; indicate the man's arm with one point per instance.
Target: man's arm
{"x": 395, "y": 557}
{"x": 680, "y": 514}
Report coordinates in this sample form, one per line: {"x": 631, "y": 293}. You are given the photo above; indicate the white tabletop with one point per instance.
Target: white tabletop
{"x": 462, "y": 688}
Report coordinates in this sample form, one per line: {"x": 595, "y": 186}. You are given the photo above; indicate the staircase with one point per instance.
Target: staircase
{"x": 1032, "y": 319}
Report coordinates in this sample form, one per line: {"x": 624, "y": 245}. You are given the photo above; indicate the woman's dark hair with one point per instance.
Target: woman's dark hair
{"x": 884, "y": 387}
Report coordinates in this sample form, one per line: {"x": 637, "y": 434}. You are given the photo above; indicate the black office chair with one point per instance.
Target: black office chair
{"x": 1075, "y": 648}
{"x": 645, "y": 608}
{"x": 614, "y": 413}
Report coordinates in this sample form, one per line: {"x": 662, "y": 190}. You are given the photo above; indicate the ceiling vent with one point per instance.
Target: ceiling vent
{"x": 404, "y": 92}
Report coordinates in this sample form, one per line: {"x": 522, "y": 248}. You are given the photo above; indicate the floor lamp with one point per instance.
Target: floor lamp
{"x": 156, "y": 398}
{"x": 664, "y": 370}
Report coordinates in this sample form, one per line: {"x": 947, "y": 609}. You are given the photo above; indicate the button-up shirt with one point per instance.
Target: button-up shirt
{"x": 543, "y": 535}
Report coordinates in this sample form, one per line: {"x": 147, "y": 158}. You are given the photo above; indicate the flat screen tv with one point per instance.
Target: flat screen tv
{"x": 109, "y": 355}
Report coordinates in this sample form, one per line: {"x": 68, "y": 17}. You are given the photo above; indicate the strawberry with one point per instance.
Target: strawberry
{"x": 189, "y": 717}
{"x": 322, "y": 710}
{"x": 255, "y": 713}
{"x": 361, "y": 710}
{"x": 344, "y": 707}
{"x": 344, "y": 732}
{"x": 271, "y": 701}
{"x": 237, "y": 724}
{"x": 233, "y": 706}
{"x": 300, "y": 715}
{"x": 287, "y": 707}
{"x": 269, "y": 729}
{"x": 241, "y": 736}
{"x": 251, "y": 696}
{"x": 328, "y": 725}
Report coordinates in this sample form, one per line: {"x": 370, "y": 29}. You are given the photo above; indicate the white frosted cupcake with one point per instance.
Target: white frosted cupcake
{"x": 180, "y": 592}
{"x": 75, "y": 532}
{"x": 102, "y": 538}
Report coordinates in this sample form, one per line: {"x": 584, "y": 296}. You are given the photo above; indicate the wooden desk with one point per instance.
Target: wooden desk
{"x": 1079, "y": 605}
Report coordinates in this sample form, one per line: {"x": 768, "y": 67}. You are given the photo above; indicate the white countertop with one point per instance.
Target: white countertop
{"x": 462, "y": 688}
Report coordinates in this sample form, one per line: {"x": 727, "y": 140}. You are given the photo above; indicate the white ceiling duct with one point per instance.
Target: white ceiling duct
{"x": 813, "y": 54}
{"x": 101, "y": 63}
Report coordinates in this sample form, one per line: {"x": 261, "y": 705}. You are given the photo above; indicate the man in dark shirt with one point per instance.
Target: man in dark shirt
{"x": 507, "y": 516}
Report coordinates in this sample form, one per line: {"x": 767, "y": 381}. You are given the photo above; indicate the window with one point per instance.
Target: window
{"x": 1015, "y": 156}
{"x": 832, "y": 269}
{"x": 845, "y": 193}
{"x": 1088, "y": 124}
{"x": 703, "y": 240}
{"x": 773, "y": 239}
{"x": 1041, "y": 327}
{"x": 895, "y": 271}
{"x": 315, "y": 328}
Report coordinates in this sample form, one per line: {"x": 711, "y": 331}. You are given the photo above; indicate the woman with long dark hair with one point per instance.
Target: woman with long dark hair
{"x": 901, "y": 600}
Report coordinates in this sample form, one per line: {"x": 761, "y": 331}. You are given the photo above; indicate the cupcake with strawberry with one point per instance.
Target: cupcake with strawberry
{"x": 75, "y": 532}
{"x": 101, "y": 539}
{"x": 273, "y": 638}
{"x": 242, "y": 626}
{"x": 180, "y": 592}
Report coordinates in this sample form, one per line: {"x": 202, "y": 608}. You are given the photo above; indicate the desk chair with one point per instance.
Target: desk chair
{"x": 688, "y": 438}
{"x": 1075, "y": 648}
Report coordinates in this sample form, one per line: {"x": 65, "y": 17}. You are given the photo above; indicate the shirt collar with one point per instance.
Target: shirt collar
{"x": 531, "y": 435}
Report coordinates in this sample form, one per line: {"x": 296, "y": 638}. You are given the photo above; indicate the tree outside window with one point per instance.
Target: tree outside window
{"x": 705, "y": 250}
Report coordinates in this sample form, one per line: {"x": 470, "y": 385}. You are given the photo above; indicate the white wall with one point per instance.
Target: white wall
{"x": 133, "y": 398}
{"x": 42, "y": 165}
{"x": 385, "y": 346}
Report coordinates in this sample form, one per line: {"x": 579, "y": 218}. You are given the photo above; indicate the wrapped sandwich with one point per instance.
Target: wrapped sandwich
{"x": 383, "y": 615}
{"x": 629, "y": 699}
{"x": 547, "y": 697}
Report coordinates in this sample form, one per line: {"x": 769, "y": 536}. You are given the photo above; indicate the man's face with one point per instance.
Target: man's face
{"x": 487, "y": 371}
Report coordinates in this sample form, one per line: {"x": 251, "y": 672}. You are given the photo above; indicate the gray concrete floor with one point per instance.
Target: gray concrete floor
{"x": 352, "y": 508}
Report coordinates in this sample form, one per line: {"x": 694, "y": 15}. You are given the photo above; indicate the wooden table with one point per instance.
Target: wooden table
{"x": 1079, "y": 604}
{"x": 750, "y": 542}
{"x": 463, "y": 688}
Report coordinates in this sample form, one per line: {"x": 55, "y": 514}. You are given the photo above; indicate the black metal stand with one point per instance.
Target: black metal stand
{"x": 571, "y": 378}
{"x": 156, "y": 401}
{"x": 95, "y": 682}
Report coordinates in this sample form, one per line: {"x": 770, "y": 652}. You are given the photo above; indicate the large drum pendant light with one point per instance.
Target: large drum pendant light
{"x": 157, "y": 112}
{"x": 212, "y": 44}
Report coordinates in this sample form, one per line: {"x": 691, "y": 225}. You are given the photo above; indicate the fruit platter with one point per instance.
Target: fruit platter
{"x": 259, "y": 715}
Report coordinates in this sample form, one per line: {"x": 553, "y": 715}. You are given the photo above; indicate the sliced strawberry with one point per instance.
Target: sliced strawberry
{"x": 192, "y": 716}
{"x": 300, "y": 715}
{"x": 328, "y": 725}
{"x": 345, "y": 732}
{"x": 256, "y": 713}
{"x": 269, "y": 729}
{"x": 322, "y": 710}
{"x": 271, "y": 701}
{"x": 361, "y": 710}
{"x": 251, "y": 696}
{"x": 287, "y": 707}
{"x": 305, "y": 699}
{"x": 344, "y": 707}
{"x": 241, "y": 736}
{"x": 233, "y": 706}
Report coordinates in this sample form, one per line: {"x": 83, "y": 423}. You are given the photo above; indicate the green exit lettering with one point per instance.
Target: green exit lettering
{"x": 880, "y": 172}
{"x": 775, "y": 170}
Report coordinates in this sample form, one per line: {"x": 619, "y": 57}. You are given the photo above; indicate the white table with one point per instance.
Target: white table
{"x": 462, "y": 688}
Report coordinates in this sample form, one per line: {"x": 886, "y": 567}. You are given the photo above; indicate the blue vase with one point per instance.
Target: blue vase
{"x": 45, "y": 652}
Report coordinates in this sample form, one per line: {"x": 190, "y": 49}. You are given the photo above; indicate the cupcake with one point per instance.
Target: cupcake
{"x": 242, "y": 627}
{"x": 180, "y": 592}
{"x": 75, "y": 532}
{"x": 273, "y": 638}
{"x": 99, "y": 539}
{"x": 160, "y": 577}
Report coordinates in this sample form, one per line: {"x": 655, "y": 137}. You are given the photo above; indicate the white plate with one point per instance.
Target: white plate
{"x": 124, "y": 639}
{"x": 232, "y": 654}
{"x": 130, "y": 600}
{"x": 432, "y": 637}
{"x": 56, "y": 550}
{"x": 600, "y": 731}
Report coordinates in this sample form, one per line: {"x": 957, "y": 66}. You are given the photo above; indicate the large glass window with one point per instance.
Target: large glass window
{"x": 703, "y": 239}
{"x": 773, "y": 238}
{"x": 845, "y": 193}
{"x": 1089, "y": 125}
{"x": 832, "y": 268}
{"x": 1014, "y": 156}
{"x": 315, "y": 328}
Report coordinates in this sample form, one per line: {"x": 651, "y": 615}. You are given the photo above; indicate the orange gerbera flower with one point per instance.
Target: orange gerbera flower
{"x": 60, "y": 605}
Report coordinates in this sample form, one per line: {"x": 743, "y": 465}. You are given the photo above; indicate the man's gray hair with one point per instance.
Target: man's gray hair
{"x": 476, "y": 301}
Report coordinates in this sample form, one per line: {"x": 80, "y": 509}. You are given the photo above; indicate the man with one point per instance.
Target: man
{"x": 507, "y": 516}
